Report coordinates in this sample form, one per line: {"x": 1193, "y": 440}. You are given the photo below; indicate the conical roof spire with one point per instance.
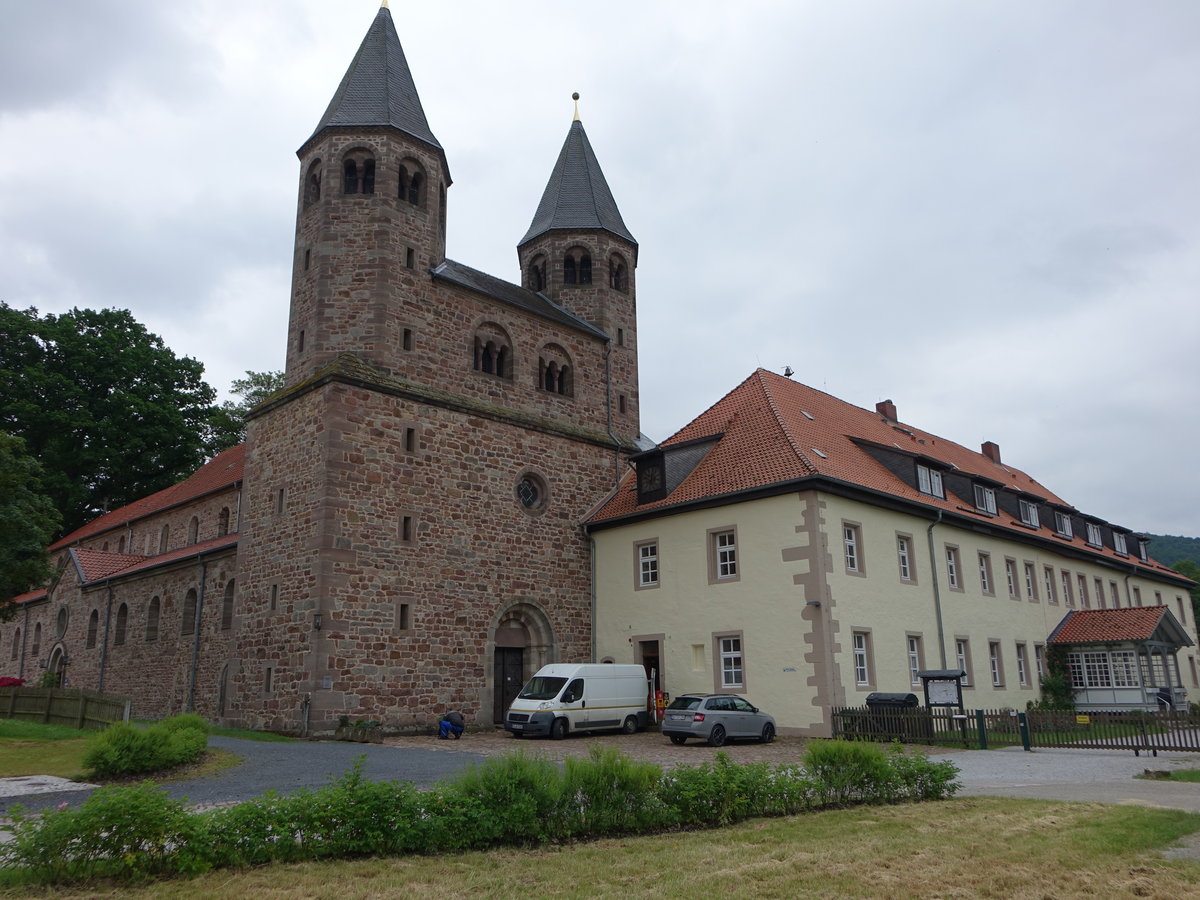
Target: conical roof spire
{"x": 378, "y": 88}
{"x": 577, "y": 196}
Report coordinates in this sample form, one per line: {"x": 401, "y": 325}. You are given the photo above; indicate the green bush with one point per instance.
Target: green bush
{"x": 848, "y": 772}
{"x": 122, "y": 749}
{"x": 522, "y": 792}
{"x": 185, "y": 720}
{"x": 609, "y": 793}
{"x": 126, "y": 833}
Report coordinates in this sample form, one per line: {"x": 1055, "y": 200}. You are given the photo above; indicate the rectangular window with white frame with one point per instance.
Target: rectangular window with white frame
{"x": 1030, "y": 583}
{"x": 904, "y": 558}
{"x": 722, "y": 555}
{"x": 864, "y": 666}
{"x": 1062, "y": 524}
{"x": 731, "y": 664}
{"x": 1085, "y": 601}
{"x": 1100, "y": 594}
{"x": 929, "y": 481}
{"x": 953, "y": 568}
{"x": 646, "y": 562}
{"x": 1010, "y": 574}
{"x": 1022, "y": 665}
{"x": 1094, "y": 536}
{"x": 1068, "y": 594}
{"x": 1114, "y": 594}
{"x": 1137, "y": 596}
{"x": 962, "y": 652}
{"x": 1048, "y": 578}
{"x": 852, "y": 548}
{"x": 1039, "y": 661}
{"x": 1119, "y": 543}
{"x": 996, "y": 663}
{"x": 985, "y": 499}
{"x": 916, "y": 659}
{"x": 985, "y": 573}
{"x": 1029, "y": 513}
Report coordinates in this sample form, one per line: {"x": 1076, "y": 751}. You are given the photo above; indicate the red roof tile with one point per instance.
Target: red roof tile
{"x": 1088, "y": 626}
{"x": 775, "y": 430}
{"x": 97, "y": 564}
{"x": 223, "y": 470}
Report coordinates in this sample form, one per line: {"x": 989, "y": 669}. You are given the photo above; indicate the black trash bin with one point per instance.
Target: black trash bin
{"x": 891, "y": 720}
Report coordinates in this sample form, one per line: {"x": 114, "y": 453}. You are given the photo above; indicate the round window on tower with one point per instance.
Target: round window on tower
{"x": 532, "y": 492}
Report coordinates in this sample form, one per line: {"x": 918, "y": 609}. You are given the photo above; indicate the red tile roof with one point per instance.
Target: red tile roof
{"x": 97, "y": 564}
{"x": 142, "y": 563}
{"x": 1090, "y": 626}
{"x": 222, "y": 471}
{"x": 774, "y": 430}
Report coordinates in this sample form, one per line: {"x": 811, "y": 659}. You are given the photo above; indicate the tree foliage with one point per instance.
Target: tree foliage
{"x": 110, "y": 412}
{"x": 1189, "y": 569}
{"x": 252, "y": 390}
{"x": 27, "y": 521}
{"x": 1169, "y": 549}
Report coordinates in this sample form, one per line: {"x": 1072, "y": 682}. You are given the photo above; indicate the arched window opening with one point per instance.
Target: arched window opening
{"x": 152, "y": 614}
{"x": 569, "y": 270}
{"x": 122, "y": 624}
{"x": 537, "y": 274}
{"x": 412, "y": 183}
{"x": 37, "y": 639}
{"x": 415, "y": 188}
{"x": 577, "y": 266}
{"x": 93, "y": 627}
{"x": 121, "y": 545}
{"x": 368, "y": 176}
{"x": 193, "y": 530}
{"x": 492, "y": 352}
{"x": 188, "y": 625}
{"x": 585, "y": 270}
{"x": 223, "y": 522}
{"x": 618, "y": 275}
{"x": 555, "y": 375}
{"x": 104, "y": 548}
{"x": 227, "y": 606}
{"x": 16, "y": 643}
{"x": 350, "y": 177}
{"x": 312, "y": 185}
{"x": 163, "y": 537}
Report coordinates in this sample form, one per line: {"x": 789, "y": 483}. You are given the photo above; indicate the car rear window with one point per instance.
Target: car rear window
{"x": 685, "y": 703}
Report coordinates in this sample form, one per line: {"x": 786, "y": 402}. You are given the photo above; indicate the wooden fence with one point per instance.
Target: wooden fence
{"x": 983, "y": 728}
{"x": 73, "y": 707}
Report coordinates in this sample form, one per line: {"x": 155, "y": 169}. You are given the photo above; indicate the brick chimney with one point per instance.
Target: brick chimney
{"x": 887, "y": 409}
{"x": 992, "y": 451}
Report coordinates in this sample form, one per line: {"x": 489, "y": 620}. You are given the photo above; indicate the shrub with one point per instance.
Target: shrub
{"x": 185, "y": 720}
{"x": 523, "y": 794}
{"x": 123, "y": 749}
{"x": 9, "y": 681}
{"x": 915, "y": 777}
{"x": 609, "y": 793}
{"x": 848, "y": 771}
{"x": 126, "y": 833}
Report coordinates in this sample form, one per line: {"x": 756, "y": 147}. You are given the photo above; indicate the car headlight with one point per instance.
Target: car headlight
{"x": 545, "y": 705}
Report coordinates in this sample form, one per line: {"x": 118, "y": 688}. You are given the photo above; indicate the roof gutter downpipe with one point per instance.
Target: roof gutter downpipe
{"x": 937, "y": 592}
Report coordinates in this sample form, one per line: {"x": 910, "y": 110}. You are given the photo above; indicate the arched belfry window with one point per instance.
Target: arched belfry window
{"x": 411, "y": 183}
{"x": 358, "y": 173}
{"x": 492, "y": 351}
{"x": 555, "y": 374}
{"x": 618, "y": 274}
{"x": 577, "y": 266}
{"x": 312, "y": 184}
{"x": 537, "y": 274}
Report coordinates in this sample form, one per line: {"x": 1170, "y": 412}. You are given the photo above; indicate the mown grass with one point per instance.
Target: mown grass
{"x": 975, "y": 847}
{"x": 1191, "y": 775}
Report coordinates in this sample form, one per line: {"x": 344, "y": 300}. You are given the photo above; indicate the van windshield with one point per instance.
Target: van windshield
{"x": 543, "y": 687}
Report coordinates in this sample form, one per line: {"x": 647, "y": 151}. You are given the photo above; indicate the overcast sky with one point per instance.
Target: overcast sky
{"x": 988, "y": 212}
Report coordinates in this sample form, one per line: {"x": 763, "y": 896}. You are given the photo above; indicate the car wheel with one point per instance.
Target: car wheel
{"x": 558, "y": 730}
{"x": 517, "y": 734}
{"x": 630, "y": 726}
{"x": 677, "y": 739}
{"x": 716, "y": 737}
{"x": 768, "y": 734}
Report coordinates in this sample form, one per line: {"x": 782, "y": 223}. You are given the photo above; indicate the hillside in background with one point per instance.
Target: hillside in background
{"x": 1169, "y": 549}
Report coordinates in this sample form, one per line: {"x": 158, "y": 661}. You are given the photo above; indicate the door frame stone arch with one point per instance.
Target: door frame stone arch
{"x": 540, "y": 647}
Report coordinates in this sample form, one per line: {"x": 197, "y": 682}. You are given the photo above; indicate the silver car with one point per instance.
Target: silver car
{"x": 716, "y": 718}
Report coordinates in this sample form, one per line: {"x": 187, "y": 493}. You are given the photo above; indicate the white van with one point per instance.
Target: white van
{"x": 564, "y": 697}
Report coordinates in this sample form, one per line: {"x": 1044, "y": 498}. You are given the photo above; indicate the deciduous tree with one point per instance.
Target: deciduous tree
{"x": 27, "y": 521}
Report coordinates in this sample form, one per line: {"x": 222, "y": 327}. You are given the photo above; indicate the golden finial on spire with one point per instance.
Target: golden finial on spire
{"x": 575, "y": 97}
{"x": 384, "y": 5}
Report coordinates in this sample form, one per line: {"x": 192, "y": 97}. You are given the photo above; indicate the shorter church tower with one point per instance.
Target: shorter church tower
{"x": 579, "y": 253}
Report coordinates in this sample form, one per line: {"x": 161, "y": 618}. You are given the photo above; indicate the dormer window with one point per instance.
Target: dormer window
{"x": 1029, "y": 514}
{"x": 1093, "y": 534}
{"x": 985, "y": 499}
{"x": 929, "y": 481}
{"x": 1143, "y": 553}
{"x": 1119, "y": 543}
{"x": 651, "y": 478}
{"x": 1062, "y": 524}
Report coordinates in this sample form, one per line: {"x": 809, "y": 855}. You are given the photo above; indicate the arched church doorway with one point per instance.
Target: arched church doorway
{"x": 57, "y": 666}
{"x": 522, "y": 643}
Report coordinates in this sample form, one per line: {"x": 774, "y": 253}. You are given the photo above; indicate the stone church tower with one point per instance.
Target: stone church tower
{"x": 410, "y": 537}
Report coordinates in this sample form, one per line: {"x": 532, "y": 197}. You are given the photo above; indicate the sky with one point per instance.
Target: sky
{"x": 987, "y": 212}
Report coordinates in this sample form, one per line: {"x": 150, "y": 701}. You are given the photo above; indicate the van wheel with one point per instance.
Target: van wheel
{"x": 558, "y": 730}
{"x": 677, "y": 739}
{"x": 517, "y": 734}
{"x": 716, "y": 737}
{"x": 630, "y": 726}
{"x": 768, "y": 734}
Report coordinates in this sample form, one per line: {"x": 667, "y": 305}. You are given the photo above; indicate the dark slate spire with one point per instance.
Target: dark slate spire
{"x": 378, "y": 88}
{"x": 577, "y": 196}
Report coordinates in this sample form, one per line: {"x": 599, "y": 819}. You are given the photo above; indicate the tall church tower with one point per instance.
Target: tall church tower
{"x": 579, "y": 252}
{"x": 371, "y": 215}
{"x": 410, "y": 537}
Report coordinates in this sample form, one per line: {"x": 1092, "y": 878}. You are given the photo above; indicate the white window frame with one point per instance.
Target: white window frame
{"x": 915, "y": 665}
{"x": 1029, "y": 513}
{"x": 1085, "y": 600}
{"x": 952, "y": 566}
{"x": 1022, "y": 665}
{"x": 1048, "y": 577}
{"x": 648, "y": 571}
{"x": 985, "y": 499}
{"x": 1068, "y": 590}
{"x": 1030, "y": 582}
{"x": 996, "y": 663}
{"x": 722, "y": 549}
{"x": 1010, "y": 573}
{"x": 1119, "y": 544}
{"x": 962, "y": 652}
{"x": 1094, "y": 536}
{"x": 732, "y": 661}
{"x": 862, "y": 658}
{"x": 985, "y": 572}
{"x": 904, "y": 557}
{"x": 1062, "y": 524}
{"x": 1039, "y": 661}
{"x": 929, "y": 481}
{"x": 852, "y": 548}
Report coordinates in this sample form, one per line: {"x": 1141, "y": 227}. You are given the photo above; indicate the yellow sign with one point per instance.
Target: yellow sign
{"x": 1083, "y": 720}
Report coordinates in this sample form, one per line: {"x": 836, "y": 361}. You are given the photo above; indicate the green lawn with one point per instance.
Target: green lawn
{"x": 967, "y": 848}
